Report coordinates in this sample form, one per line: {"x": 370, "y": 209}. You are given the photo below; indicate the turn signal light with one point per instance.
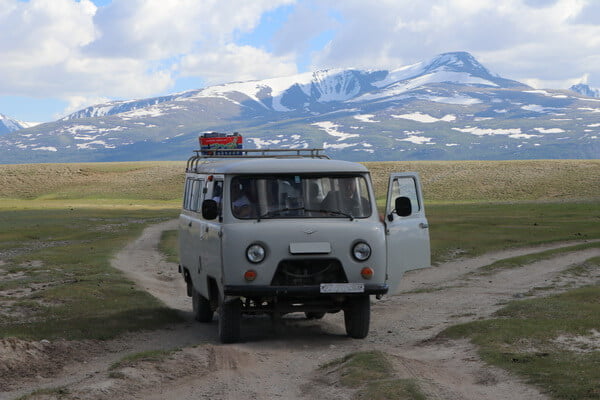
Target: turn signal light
{"x": 367, "y": 272}
{"x": 250, "y": 275}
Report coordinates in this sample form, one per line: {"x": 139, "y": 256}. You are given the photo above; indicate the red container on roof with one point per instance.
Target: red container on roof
{"x": 211, "y": 142}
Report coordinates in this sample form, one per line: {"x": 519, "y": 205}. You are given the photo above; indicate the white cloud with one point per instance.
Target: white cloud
{"x": 519, "y": 39}
{"x": 235, "y": 63}
{"x": 75, "y": 51}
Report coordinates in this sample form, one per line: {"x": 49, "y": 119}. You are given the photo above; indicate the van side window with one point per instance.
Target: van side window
{"x": 193, "y": 194}
{"x": 197, "y": 187}
{"x": 187, "y": 194}
{"x": 406, "y": 187}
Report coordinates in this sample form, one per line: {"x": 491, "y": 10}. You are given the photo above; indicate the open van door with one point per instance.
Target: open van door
{"x": 407, "y": 230}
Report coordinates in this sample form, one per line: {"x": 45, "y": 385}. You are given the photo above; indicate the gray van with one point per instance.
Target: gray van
{"x": 283, "y": 231}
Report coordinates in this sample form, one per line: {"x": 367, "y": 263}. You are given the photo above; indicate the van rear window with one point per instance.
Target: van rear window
{"x": 300, "y": 196}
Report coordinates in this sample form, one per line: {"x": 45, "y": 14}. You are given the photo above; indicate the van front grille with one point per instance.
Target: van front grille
{"x": 309, "y": 272}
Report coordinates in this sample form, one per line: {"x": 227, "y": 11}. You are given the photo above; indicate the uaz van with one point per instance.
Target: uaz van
{"x": 283, "y": 231}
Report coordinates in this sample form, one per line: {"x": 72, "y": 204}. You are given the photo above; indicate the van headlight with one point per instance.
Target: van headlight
{"x": 255, "y": 253}
{"x": 361, "y": 251}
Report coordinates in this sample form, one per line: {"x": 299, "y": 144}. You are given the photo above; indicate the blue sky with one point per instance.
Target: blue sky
{"x": 62, "y": 55}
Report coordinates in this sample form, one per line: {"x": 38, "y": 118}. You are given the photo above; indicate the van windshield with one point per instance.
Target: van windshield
{"x": 300, "y": 196}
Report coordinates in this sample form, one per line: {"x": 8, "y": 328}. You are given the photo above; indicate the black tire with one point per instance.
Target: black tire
{"x": 314, "y": 315}
{"x": 201, "y": 307}
{"x": 230, "y": 319}
{"x": 357, "y": 317}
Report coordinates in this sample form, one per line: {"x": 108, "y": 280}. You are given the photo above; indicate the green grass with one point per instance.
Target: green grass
{"x": 393, "y": 389}
{"x": 150, "y": 356}
{"x": 372, "y": 374}
{"x": 467, "y": 230}
{"x": 169, "y": 246}
{"x": 51, "y": 393}
{"x": 60, "y": 263}
{"x": 357, "y": 369}
{"x": 522, "y": 338}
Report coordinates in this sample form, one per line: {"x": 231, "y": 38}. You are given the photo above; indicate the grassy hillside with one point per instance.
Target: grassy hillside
{"x": 494, "y": 181}
{"x": 160, "y": 183}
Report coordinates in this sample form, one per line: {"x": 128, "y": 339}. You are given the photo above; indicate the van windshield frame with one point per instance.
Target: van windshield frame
{"x": 284, "y": 196}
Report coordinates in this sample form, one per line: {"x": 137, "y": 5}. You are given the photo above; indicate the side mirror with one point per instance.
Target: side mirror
{"x": 210, "y": 209}
{"x": 403, "y": 206}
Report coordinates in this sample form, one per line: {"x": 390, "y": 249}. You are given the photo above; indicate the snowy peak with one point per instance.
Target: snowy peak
{"x": 10, "y": 125}
{"x": 585, "y": 90}
{"x": 462, "y": 62}
{"x": 457, "y": 61}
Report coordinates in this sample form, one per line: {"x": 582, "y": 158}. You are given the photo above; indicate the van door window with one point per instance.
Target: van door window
{"x": 407, "y": 187}
{"x": 217, "y": 192}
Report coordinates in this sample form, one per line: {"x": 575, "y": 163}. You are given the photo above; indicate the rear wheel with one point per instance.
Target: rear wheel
{"x": 357, "y": 317}
{"x": 201, "y": 307}
{"x": 230, "y": 319}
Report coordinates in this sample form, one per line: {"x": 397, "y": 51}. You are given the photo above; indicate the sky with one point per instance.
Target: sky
{"x": 58, "y": 56}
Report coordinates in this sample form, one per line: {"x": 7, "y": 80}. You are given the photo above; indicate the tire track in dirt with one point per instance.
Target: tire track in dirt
{"x": 283, "y": 362}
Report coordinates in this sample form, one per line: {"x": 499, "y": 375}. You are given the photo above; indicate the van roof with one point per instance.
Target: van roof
{"x": 276, "y": 165}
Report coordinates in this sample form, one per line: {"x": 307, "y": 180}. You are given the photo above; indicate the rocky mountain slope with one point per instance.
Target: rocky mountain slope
{"x": 585, "y": 90}
{"x": 450, "y": 107}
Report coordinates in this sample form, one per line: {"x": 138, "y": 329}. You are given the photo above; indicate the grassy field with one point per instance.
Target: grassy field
{"x": 56, "y": 280}
{"x": 470, "y": 229}
{"x": 61, "y": 223}
{"x": 159, "y": 183}
{"x": 550, "y": 341}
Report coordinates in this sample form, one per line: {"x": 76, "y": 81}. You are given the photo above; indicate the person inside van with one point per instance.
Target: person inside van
{"x": 242, "y": 205}
{"x": 347, "y": 199}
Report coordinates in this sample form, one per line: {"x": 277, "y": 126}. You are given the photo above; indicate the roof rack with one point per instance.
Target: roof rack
{"x": 193, "y": 161}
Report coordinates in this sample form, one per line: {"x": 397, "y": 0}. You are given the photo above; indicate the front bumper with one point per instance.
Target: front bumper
{"x": 296, "y": 291}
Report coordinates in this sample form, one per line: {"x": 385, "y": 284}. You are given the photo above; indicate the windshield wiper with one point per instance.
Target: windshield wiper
{"x": 338, "y": 212}
{"x": 281, "y": 210}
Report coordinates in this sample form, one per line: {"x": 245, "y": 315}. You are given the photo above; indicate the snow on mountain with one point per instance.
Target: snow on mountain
{"x": 585, "y": 90}
{"x": 118, "y": 107}
{"x": 8, "y": 124}
{"x": 450, "y": 107}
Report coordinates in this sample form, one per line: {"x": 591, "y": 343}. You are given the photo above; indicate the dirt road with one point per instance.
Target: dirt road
{"x": 283, "y": 363}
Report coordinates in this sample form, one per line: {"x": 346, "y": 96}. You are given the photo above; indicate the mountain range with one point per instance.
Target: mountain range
{"x": 450, "y": 107}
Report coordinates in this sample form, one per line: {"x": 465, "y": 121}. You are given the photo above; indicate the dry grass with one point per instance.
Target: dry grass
{"x": 443, "y": 181}
{"x": 129, "y": 180}
{"x": 498, "y": 181}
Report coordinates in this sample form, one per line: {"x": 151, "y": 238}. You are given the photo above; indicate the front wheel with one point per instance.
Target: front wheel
{"x": 201, "y": 307}
{"x": 357, "y": 317}
{"x": 230, "y": 319}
